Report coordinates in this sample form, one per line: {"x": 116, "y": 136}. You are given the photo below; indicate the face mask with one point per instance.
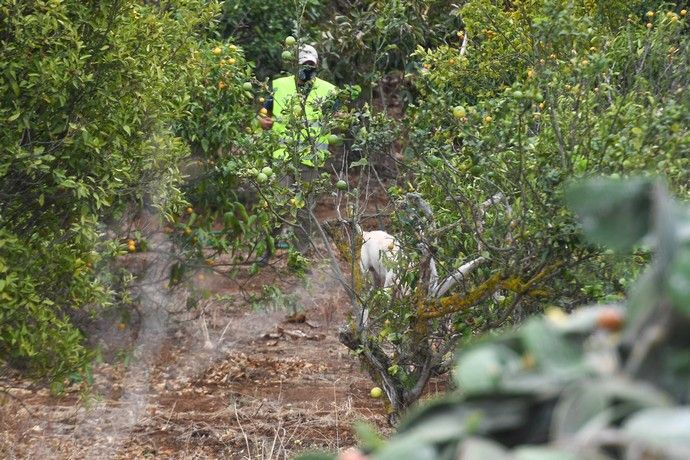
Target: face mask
{"x": 306, "y": 72}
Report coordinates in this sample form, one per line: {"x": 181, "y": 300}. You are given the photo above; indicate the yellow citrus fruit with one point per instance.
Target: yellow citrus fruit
{"x": 221, "y": 85}
{"x": 187, "y": 231}
{"x": 683, "y": 12}
{"x": 650, "y": 14}
{"x": 459, "y": 111}
{"x": 190, "y": 210}
{"x": 262, "y": 99}
{"x": 488, "y": 119}
{"x": 263, "y": 112}
{"x": 376, "y": 392}
{"x": 217, "y": 50}
{"x": 649, "y": 25}
{"x": 231, "y": 61}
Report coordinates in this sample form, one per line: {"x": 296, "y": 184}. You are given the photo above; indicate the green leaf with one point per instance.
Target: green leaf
{"x": 482, "y": 449}
{"x": 662, "y": 427}
{"x": 678, "y": 281}
{"x": 406, "y": 449}
{"x": 550, "y": 349}
{"x": 368, "y": 436}
{"x": 644, "y": 296}
{"x": 360, "y": 162}
{"x": 480, "y": 370}
{"x": 613, "y": 212}
{"x": 543, "y": 453}
{"x": 577, "y": 408}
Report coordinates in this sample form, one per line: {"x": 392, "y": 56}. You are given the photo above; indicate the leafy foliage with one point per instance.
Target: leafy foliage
{"x": 88, "y": 93}
{"x": 586, "y": 385}
{"x": 545, "y": 92}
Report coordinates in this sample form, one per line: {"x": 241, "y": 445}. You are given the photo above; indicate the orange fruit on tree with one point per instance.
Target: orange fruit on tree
{"x": 610, "y": 320}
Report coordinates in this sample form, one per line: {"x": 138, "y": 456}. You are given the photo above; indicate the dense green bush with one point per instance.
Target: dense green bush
{"x": 88, "y": 94}
{"x": 606, "y": 382}
{"x": 546, "y": 91}
{"x": 260, "y": 28}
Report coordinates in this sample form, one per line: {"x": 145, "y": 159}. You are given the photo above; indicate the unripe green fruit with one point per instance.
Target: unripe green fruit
{"x": 459, "y": 111}
{"x": 290, "y": 40}
{"x": 261, "y": 177}
{"x": 247, "y": 86}
{"x": 287, "y": 56}
{"x": 267, "y": 171}
{"x": 341, "y": 185}
{"x": 333, "y": 139}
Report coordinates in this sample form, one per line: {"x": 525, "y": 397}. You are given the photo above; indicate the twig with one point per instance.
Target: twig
{"x": 246, "y": 440}
{"x": 455, "y": 277}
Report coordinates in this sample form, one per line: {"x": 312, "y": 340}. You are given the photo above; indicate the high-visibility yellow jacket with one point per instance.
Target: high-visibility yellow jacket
{"x": 286, "y": 101}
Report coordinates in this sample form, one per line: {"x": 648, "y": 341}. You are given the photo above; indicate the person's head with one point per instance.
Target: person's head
{"x": 308, "y": 60}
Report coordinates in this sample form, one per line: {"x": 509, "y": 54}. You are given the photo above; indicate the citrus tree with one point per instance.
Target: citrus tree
{"x": 89, "y": 92}
{"x": 260, "y": 27}
{"x": 607, "y": 381}
{"x": 536, "y": 93}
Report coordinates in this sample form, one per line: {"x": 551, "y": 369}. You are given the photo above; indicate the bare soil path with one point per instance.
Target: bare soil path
{"x": 266, "y": 389}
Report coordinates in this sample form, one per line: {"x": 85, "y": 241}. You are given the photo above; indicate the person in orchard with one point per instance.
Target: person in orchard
{"x": 299, "y": 97}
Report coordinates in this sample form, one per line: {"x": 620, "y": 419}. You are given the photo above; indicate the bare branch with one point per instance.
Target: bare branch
{"x": 440, "y": 288}
{"x": 463, "y": 47}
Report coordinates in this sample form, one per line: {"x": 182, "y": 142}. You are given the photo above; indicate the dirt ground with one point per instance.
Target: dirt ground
{"x": 263, "y": 388}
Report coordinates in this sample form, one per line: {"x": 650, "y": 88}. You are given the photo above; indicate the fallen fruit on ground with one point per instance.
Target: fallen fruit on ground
{"x": 376, "y": 392}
